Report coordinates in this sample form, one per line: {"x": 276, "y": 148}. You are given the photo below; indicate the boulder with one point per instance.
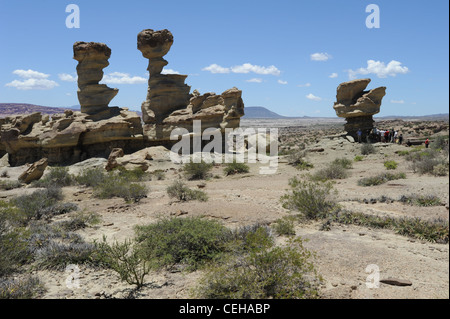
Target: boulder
{"x": 112, "y": 159}
{"x": 34, "y": 172}
{"x": 358, "y": 106}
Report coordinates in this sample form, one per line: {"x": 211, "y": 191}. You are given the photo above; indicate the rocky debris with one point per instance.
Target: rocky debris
{"x": 396, "y": 282}
{"x": 358, "y": 106}
{"x": 169, "y": 104}
{"x": 34, "y": 172}
{"x": 112, "y": 158}
{"x": 92, "y": 58}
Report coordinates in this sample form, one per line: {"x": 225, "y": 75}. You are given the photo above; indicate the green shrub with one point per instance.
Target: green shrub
{"x": 126, "y": 259}
{"x": 402, "y": 153}
{"x": 41, "y": 203}
{"x": 91, "y": 177}
{"x": 441, "y": 169}
{"x": 332, "y": 171}
{"x": 367, "y": 149}
{"x": 121, "y": 183}
{"x": 79, "y": 221}
{"x": 8, "y": 185}
{"x": 358, "y": 158}
{"x": 380, "y": 179}
{"x": 271, "y": 272}
{"x": 21, "y": 289}
{"x": 13, "y": 243}
{"x": 439, "y": 143}
{"x": 190, "y": 241}
{"x": 56, "y": 255}
{"x": 194, "y": 171}
{"x": 284, "y": 226}
{"x": 56, "y": 177}
{"x": 182, "y": 192}
{"x": 390, "y": 164}
{"x": 421, "y": 200}
{"x": 235, "y": 168}
{"x": 311, "y": 198}
{"x": 343, "y": 162}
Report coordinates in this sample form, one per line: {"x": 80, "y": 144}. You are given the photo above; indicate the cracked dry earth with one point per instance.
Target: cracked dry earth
{"x": 342, "y": 253}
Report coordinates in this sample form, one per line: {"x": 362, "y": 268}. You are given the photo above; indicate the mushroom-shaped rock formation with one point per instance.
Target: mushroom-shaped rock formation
{"x": 358, "y": 106}
{"x": 170, "y": 105}
{"x": 92, "y": 58}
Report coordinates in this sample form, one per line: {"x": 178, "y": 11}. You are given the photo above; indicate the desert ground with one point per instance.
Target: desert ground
{"x": 342, "y": 253}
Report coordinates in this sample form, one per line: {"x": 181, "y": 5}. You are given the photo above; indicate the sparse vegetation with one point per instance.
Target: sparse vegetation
{"x": 236, "y": 168}
{"x": 311, "y": 198}
{"x": 180, "y": 191}
{"x": 284, "y": 226}
{"x": 421, "y": 200}
{"x": 390, "y": 164}
{"x": 56, "y": 177}
{"x": 358, "y": 158}
{"x": 190, "y": 241}
{"x": 20, "y": 289}
{"x": 380, "y": 179}
{"x": 268, "y": 272}
{"x": 367, "y": 149}
{"x": 335, "y": 170}
{"x": 194, "y": 171}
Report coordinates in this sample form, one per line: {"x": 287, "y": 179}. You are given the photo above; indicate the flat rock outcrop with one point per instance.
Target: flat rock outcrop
{"x": 70, "y": 137}
{"x": 358, "y": 106}
{"x": 169, "y": 103}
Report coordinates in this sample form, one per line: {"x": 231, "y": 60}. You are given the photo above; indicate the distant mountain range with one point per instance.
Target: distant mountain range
{"x": 14, "y": 109}
{"x": 259, "y": 112}
{"x": 251, "y": 112}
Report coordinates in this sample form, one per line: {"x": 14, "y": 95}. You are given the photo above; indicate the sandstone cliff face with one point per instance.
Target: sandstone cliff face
{"x": 358, "y": 106}
{"x": 69, "y": 137}
{"x": 169, "y": 103}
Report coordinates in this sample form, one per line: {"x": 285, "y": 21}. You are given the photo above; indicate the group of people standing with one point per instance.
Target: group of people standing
{"x": 384, "y": 136}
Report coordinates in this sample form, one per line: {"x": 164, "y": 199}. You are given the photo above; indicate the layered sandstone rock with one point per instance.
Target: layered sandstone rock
{"x": 92, "y": 58}
{"x": 69, "y": 137}
{"x": 169, "y": 104}
{"x": 358, "y": 106}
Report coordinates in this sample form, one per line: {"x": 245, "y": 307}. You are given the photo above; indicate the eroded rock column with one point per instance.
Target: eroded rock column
{"x": 92, "y": 58}
{"x": 358, "y": 106}
{"x": 166, "y": 92}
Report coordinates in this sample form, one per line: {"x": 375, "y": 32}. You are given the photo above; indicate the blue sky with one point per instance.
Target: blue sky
{"x": 288, "y": 56}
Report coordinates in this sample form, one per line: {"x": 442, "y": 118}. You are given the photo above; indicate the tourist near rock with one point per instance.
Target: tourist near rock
{"x": 170, "y": 105}
{"x": 358, "y": 106}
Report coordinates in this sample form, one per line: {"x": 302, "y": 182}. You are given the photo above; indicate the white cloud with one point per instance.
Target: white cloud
{"x": 333, "y": 75}
{"x": 30, "y": 74}
{"x": 398, "y": 101}
{"x": 255, "y": 80}
{"x": 169, "y": 71}
{"x": 380, "y": 69}
{"x": 247, "y": 68}
{"x": 282, "y": 82}
{"x": 244, "y": 68}
{"x": 320, "y": 56}
{"x": 33, "y": 80}
{"x": 215, "y": 68}
{"x": 67, "y": 77}
{"x": 304, "y": 85}
{"x": 122, "y": 78}
{"x": 313, "y": 97}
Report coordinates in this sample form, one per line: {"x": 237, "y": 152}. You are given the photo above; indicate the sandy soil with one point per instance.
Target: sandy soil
{"x": 342, "y": 254}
